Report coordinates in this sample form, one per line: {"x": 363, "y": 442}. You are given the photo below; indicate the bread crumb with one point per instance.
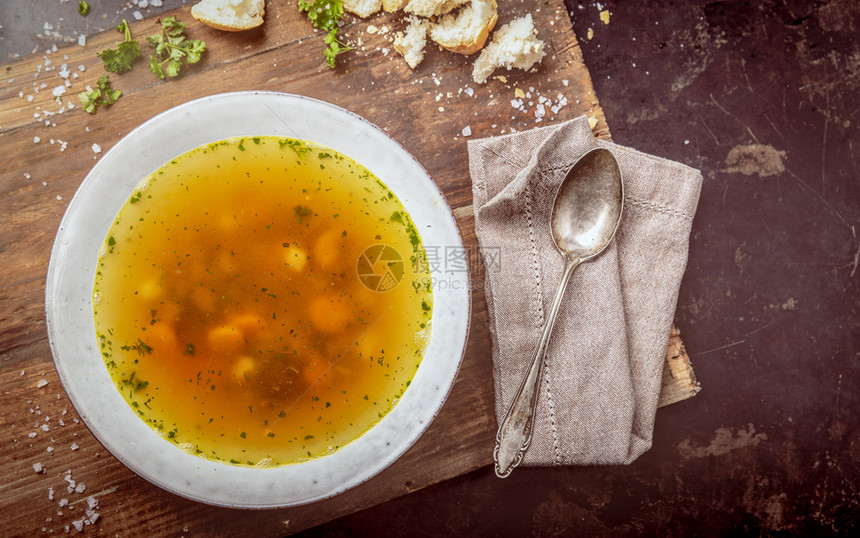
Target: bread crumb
{"x": 519, "y": 93}
{"x": 431, "y": 8}
{"x": 362, "y": 8}
{"x": 230, "y": 15}
{"x": 590, "y": 34}
{"x": 467, "y": 30}
{"x": 514, "y": 45}
{"x": 592, "y": 122}
{"x": 410, "y": 44}
{"x": 604, "y": 16}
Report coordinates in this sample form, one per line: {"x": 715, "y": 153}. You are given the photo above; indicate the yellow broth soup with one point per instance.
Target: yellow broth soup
{"x": 262, "y": 300}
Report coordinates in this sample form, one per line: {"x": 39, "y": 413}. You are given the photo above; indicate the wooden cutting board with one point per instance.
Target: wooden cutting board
{"x": 49, "y": 147}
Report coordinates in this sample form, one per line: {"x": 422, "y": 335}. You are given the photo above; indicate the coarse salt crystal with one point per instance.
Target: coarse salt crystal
{"x": 45, "y": 427}
{"x": 50, "y": 494}
{"x": 38, "y": 467}
{"x": 137, "y": 15}
{"x": 36, "y": 139}
{"x": 82, "y": 40}
{"x": 78, "y": 524}
{"x": 42, "y": 382}
{"x": 467, "y": 130}
{"x": 74, "y": 446}
{"x": 97, "y": 149}
{"x": 80, "y": 488}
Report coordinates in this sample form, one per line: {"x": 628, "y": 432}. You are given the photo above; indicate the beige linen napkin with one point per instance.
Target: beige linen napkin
{"x": 603, "y": 368}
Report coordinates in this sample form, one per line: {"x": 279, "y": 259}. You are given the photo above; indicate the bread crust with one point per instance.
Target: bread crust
{"x": 252, "y": 19}
{"x": 472, "y": 43}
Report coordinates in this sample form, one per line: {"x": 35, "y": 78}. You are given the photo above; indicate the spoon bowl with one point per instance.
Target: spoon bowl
{"x": 588, "y": 205}
{"x": 585, "y": 216}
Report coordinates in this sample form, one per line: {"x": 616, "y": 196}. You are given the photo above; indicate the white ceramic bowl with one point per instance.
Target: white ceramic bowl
{"x": 69, "y": 291}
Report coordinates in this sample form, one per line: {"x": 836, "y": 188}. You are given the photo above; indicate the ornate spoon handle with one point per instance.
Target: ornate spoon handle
{"x": 515, "y": 430}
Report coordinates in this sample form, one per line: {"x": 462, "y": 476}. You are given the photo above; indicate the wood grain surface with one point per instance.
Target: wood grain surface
{"x": 53, "y": 463}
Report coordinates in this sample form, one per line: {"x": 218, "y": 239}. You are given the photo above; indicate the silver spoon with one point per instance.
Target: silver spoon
{"x": 585, "y": 217}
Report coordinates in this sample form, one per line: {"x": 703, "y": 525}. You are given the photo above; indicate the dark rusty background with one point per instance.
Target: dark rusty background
{"x": 764, "y": 98}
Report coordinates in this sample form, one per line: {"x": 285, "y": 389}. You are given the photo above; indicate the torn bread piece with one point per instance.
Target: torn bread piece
{"x": 411, "y": 43}
{"x": 230, "y": 15}
{"x": 432, "y": 8}
{"x": 393, "y": 5}
{"x": 514, "y": 45}
{"x": 467, "y": 30}
{"x": 362, "y": 8}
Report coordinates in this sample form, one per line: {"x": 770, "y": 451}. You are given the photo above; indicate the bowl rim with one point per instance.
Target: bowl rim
{"x": 224, "y": 484}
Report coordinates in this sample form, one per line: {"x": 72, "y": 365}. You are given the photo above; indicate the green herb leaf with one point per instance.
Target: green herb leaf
{"x": 101, "y": 95}
{"x": 122, "y": 58}
{"x": 171, "y": 48}
{"x": 83, "y": 8}
{"x": 140, "y": 346}
{"x": 335, "y": 47}
{"x": 325, "y": 14}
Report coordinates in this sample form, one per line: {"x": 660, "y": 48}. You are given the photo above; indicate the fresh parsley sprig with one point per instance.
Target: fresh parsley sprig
{"x": 325, "y": 14}
{"x": 122, "y": 58}
{"x": 101, "y": 95}
{"x": 171, "y": 47}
